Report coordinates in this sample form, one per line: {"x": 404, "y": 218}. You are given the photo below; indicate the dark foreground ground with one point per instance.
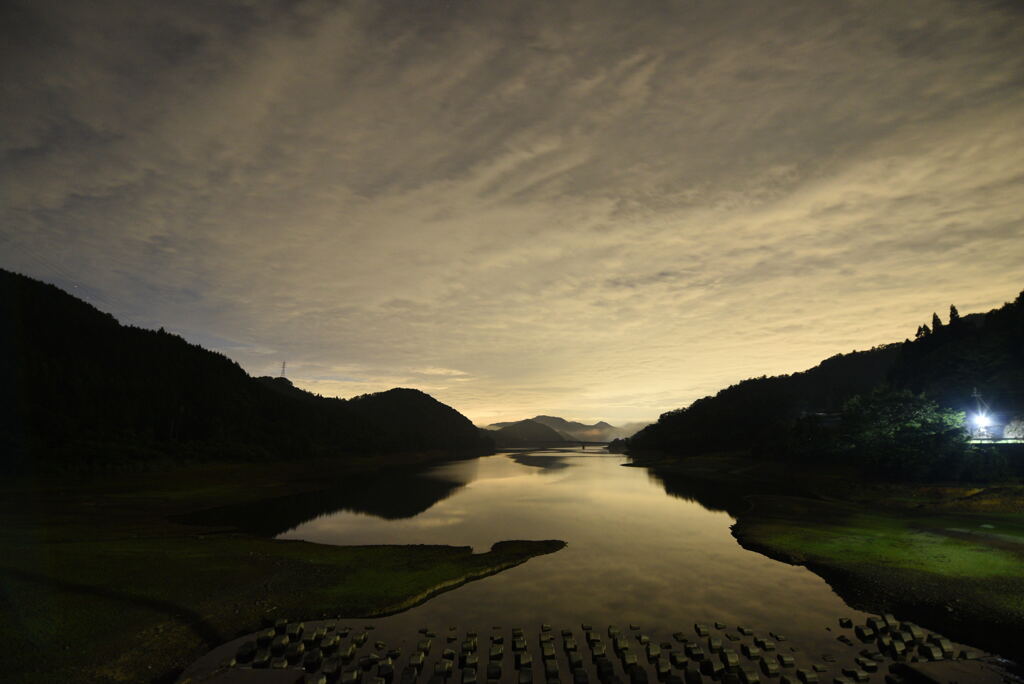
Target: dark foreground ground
{"x": 98, "y": 583}
{"x": 950, "y": 557}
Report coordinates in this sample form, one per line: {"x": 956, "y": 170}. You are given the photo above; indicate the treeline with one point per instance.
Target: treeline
{"x": 79, "y": 389}
{"x": 750, "y": 413}
{"x": 897, "y": 410}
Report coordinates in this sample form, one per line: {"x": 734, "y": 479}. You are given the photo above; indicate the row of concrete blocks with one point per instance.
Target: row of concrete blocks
{"x": 286, "y": 644}
{"x": 903, "y": 640}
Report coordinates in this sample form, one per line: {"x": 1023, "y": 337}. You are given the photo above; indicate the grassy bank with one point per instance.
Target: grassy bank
{"x": 98, "y": 583}
{"x": 948, "y": 556}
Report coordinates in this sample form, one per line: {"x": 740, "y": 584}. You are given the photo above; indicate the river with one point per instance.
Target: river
{"x": 636, "y": 553}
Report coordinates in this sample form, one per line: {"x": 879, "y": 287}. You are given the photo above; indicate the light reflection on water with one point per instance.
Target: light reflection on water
{"x": 634, "y": 554}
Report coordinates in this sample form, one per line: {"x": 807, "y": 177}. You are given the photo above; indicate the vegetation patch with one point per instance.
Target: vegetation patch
{"x": 962, "y": 574}
{"x": 98, "y": 585}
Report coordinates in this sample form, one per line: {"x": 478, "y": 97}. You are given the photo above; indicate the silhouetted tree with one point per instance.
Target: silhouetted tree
{"x": 936, "y": 322}
{"x": 904, "y": 435}
{"x": 922, "y": 332}
{"x": 954, "y": 315}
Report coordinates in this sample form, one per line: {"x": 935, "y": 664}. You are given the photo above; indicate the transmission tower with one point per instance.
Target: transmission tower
{"x": 282, "y": 368}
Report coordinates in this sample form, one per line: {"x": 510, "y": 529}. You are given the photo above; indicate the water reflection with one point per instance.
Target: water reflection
{"x": 640, "y": 549}
{"x": 711, "y": 496}
{"x": 392, "y": 495}
{"x": 544, "y": 461}
{"x": 644, "y": 546}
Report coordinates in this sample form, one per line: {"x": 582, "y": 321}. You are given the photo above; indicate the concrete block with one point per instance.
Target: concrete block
{"x": 864, "y": 633}
{"x": 749, "y": 675}
{"x": 694, "y": 651}
{"x": 807, "y": 676}
{"x": 711, "y": 667}
{"x": 278, "y": 644}
{"x": 551, "y": 668}
{"x": 729, "y": 658}
{"x": 662, "y": 668}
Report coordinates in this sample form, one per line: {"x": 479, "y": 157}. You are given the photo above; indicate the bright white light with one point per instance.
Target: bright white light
{"x": 981, "y": 420}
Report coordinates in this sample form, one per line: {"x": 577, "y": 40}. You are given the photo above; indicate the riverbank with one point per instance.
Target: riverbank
{"x": 950, "y": 557}
{"x": 101, "y": 582}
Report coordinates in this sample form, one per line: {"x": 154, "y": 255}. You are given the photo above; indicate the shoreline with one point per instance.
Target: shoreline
{"x": 949, "y": 557}
{"x": 102, "y": 584}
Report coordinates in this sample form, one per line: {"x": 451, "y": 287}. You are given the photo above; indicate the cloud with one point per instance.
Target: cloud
{"x": 593, "y": 209}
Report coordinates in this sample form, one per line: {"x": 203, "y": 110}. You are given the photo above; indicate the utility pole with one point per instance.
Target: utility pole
{"x": 982, "y": 406}
{"x": 282, "y": 368}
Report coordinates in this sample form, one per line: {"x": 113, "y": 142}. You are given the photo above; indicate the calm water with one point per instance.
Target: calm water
{"x": 636, "y": 553}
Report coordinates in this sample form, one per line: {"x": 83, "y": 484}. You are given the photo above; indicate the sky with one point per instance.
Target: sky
{"x": 598, "y": 210}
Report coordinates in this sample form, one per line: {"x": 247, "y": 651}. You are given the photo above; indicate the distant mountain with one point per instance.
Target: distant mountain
{"x": 79, "y": 389}
{"x": 947, "y": 361}
{"x": 525, "y": 433}
{"x": 575, "y": 431}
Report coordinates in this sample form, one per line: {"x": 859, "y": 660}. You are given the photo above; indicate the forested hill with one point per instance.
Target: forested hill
{"x": 78, "y": 388}
{"x": 752, "y": 411}
{"x": 946, "y": 361}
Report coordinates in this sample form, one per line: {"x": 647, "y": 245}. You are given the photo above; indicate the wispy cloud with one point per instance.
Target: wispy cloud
{"x": 602, "y": 210}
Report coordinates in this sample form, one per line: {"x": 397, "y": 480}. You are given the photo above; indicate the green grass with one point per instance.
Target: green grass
{"x": 892, "y": 541}
{"x": 943, "y": 570}
{"x": 97, "y": 585}
{"x": 949, "y": 555}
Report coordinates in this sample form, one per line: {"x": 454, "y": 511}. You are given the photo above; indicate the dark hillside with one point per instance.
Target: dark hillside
{"x": 80, "y": 389}
{"x": 750, "y": 413}
{"x": 946, "y": 361}
{"x": 983, "y": 351}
